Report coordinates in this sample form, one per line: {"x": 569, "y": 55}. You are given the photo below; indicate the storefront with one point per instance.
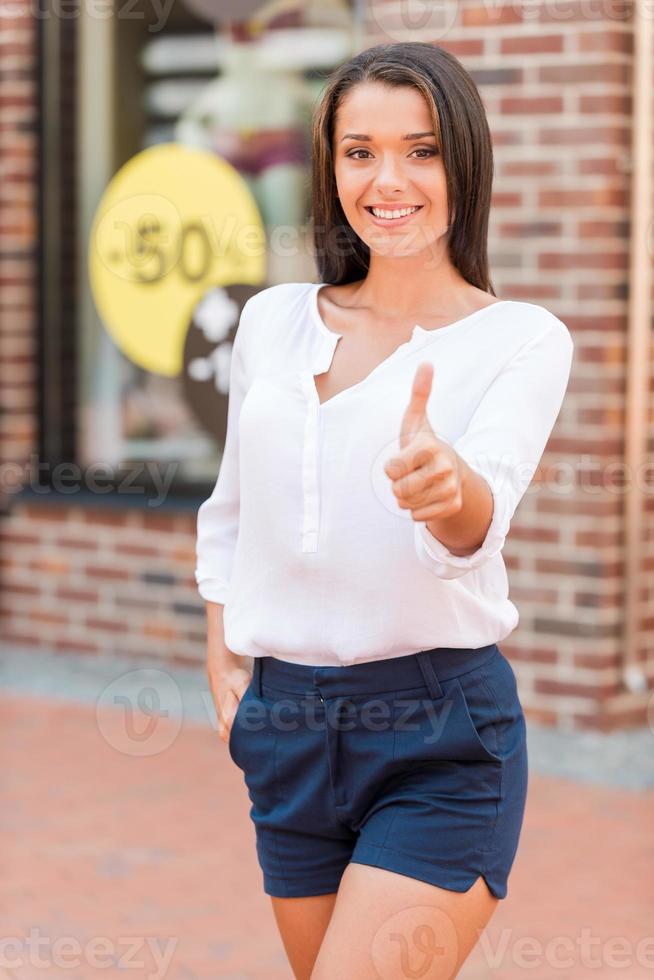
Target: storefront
{"x": 155, "y": 166}
{"x": 183, "y": 188}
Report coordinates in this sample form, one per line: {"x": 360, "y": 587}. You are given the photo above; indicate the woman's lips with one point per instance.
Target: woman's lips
{"x": 388, "y": 222}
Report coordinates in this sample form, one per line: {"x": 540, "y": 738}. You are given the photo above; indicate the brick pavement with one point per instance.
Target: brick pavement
{"x": 110, "y": 834}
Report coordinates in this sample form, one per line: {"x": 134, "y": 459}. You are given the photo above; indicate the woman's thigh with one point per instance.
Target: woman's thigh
{"x": 390, "y": 925}
{"x": 302, "y": 924}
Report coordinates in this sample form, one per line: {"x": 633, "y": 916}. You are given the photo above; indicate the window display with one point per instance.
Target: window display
{"x": 210, "y": 204}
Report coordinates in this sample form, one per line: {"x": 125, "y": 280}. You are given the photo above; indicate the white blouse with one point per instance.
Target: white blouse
{"x": 302, "y": 539}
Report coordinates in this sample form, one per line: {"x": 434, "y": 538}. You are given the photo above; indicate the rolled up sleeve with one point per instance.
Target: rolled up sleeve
{"x": 505, "y": 440}
{"x": 218, "y": 515}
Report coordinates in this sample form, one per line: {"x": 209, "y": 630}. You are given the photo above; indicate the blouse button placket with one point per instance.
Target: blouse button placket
{"x": 310, "y": 488}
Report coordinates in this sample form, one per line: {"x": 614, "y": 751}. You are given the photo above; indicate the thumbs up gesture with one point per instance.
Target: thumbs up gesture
{"x": 426, "y": 474}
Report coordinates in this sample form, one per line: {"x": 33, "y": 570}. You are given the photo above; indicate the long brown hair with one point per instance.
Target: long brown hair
{"x": 459, "y": 121}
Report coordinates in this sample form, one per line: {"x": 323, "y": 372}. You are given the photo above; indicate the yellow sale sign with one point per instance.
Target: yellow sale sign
{"x": 172, "y": 223}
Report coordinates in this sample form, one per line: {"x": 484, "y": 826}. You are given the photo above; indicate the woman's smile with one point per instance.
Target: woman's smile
{"x": 400, "y": 219}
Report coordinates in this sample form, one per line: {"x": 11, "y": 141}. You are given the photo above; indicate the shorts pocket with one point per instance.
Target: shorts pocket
{"x": 447, "y": 728}
{"x": 232, "y": 731}
{"x": 482, "y": 715}
{"x": 252, "y": 747}
{"x": 490, "y": 695}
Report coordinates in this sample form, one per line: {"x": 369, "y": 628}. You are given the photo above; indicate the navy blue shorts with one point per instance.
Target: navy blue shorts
{"x": 417, "y": 764}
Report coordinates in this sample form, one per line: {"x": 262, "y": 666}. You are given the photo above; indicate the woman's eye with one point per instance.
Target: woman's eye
{"x": 422, "y": 149}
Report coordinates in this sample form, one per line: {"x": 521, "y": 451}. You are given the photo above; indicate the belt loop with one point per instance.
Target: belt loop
{"x": 429, "y": 674}
{"x": 256, "y": 677}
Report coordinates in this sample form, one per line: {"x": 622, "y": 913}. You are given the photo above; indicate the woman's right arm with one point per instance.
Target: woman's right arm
{"x": 217, "y": 532}
{"x": 228, "y": 678}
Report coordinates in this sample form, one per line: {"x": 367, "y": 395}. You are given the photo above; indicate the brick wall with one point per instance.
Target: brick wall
{"x": 557, "y": 93}
{"x": 101, "y": 581}
{"x": 18, "y": 236}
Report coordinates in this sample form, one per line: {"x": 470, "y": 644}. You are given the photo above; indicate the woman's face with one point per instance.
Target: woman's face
{"x": 376, "y": 166}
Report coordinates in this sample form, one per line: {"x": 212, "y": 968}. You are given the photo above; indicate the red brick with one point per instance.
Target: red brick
{"x": 75, "y": 595}
{"x": 566, "y": 688}
{"x": 535, "y": 535}
{"x": 603, "y": 228}
{"x": 50, "y": 566}
{"x": 42, "y": 512}
{"x": 160, "y": 631}
{"x": 463, "y": 47}
{"x": 48, "y": 616}
{"x": 186, "y": 555}
{"x": 535, "y": 656}
{"x": 106, "y": 572}
{"x": 71, "y": 645}
{"x": 10, "y": 537}
{"x": 531, "y": 105}
{"x": 528, "y": 168}
{"x": 583, "y": 260}
{"x": 599, "y": 661}
{"x": 532, "y": 45}
{"x": 155, "y": 521}
{"x": 598, "y": 539}
{"x": 605, "y": 40}
{"x": 593, "y": 197}
{"x": 530, "y": 229}
{"x": 523, "y": 593}
{"x": 541, "y": 716}
{"x": 533, "y": 292}
{"x": 18, "y": 634}
{"x": 110, "y": 518}
{"x": 19, "y": 588}
{"x": 494, "y": 16}
{"x": 506, "y": 199}
{"x": 76, "y": 543}
{"x": 616, "y": 104}
{"x": 635, "y": 717}
{"x": 110, "y": 625}
{"x": 607, "y": 73}
{"x": 578, "y": 11}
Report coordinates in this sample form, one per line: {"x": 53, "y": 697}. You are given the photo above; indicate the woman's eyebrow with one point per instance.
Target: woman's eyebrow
{"x": 361, "y": 137}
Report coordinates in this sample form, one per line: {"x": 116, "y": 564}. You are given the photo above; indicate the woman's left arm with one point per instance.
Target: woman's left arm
{"x": 499, "y": 453}
{"x": 473, "y": 521}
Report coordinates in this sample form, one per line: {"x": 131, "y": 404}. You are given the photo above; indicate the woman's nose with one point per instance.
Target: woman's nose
{"x": 389, "y": 176}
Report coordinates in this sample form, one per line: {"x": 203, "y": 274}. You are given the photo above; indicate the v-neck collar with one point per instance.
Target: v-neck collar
{"x": 324, "y": 329}
{"x": 419, "y": 337}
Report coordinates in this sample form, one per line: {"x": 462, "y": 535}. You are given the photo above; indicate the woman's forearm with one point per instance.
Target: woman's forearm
{"x": 465, "y": 531}
{"x": 216, "y": 646}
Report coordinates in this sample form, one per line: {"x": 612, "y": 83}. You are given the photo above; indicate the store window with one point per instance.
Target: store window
{"x": 192, "y": 187}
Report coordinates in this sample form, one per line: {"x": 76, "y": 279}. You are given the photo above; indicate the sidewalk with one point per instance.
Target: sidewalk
{"x": 126, "y": 834}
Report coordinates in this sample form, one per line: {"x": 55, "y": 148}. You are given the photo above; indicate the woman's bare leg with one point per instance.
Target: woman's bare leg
{"x": 391, "y": 925}
{"x": 302, "y": 923}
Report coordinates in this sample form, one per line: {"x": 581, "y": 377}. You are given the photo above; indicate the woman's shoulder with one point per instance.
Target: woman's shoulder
{"x": 533, "y": 321}
{"x": 270, "y": 318}
{"x": 274, "y": 302}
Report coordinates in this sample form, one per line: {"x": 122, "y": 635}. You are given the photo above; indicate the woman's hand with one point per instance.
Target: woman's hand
{"x": 228, "y": 678}
{"x": 426, "y": 473}
{"x": 227, "y": 684}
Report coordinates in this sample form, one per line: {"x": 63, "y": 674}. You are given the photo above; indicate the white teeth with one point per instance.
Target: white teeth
{"x": 393, "y": 214}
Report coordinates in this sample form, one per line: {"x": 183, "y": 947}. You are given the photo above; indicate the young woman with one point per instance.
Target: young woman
{"x": 383, "y": 425}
